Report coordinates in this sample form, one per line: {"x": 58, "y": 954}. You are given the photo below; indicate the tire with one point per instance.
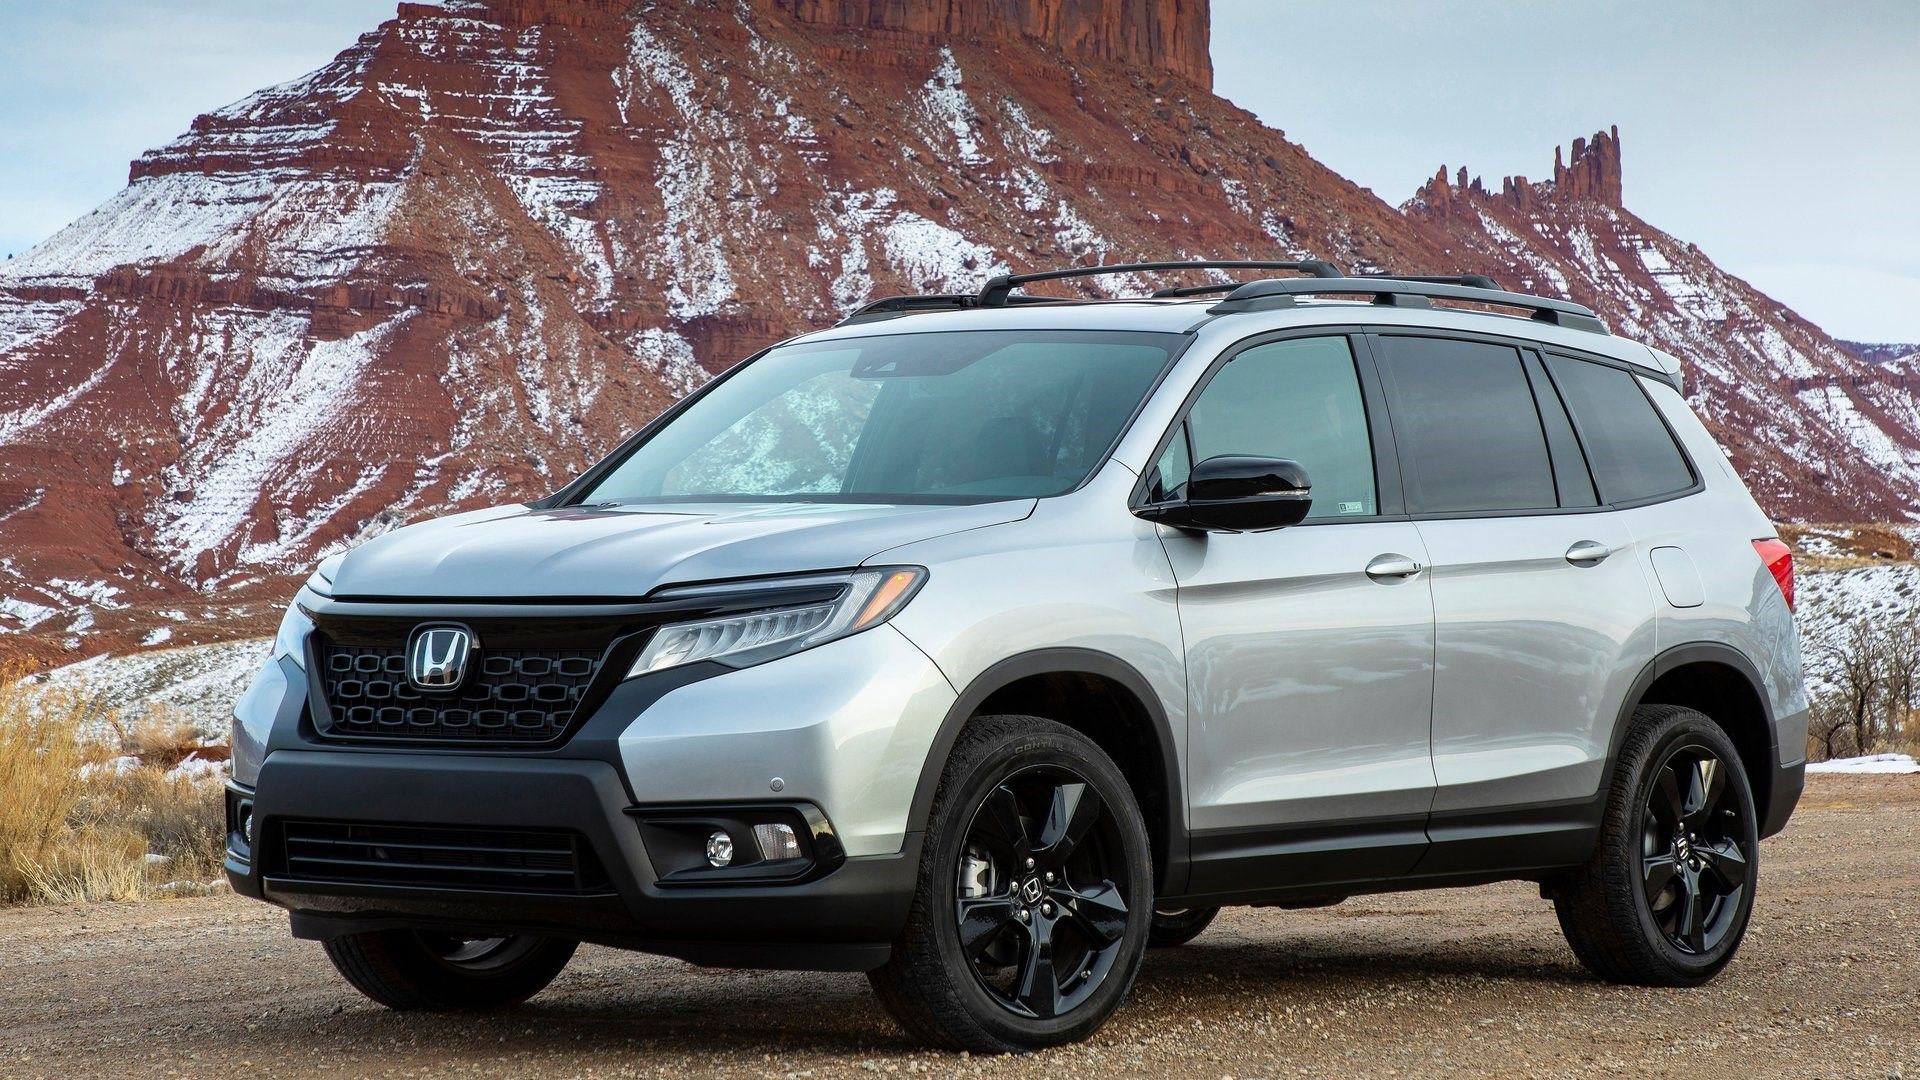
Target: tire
{"x": 1054, "y": 935}
{"x": 1172, "y": 928}
{"x": 415, "y": 970}
{"x": 1667, "y": 895}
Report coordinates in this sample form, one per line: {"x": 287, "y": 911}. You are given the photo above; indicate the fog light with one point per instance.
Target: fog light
{"x": 246, "y": 823}
{"x": 776, "y": 842}
{"x": 719, "y": 849}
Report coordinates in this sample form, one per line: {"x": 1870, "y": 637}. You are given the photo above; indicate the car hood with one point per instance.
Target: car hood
{"x": 630, "y": 550}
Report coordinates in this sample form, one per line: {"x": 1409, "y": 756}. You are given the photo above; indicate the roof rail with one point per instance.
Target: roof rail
{"x": 1471, "y": 281}
{"x": 892, "y": 307}
{"x": 1401, "y": 292}
{"x": 998, "y": 291}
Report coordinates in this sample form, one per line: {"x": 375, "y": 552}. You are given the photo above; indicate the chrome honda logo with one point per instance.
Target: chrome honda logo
{"x": 438, "y": 658}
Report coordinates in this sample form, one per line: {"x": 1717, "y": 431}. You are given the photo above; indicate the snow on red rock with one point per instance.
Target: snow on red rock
{"x": 492, "y": 237}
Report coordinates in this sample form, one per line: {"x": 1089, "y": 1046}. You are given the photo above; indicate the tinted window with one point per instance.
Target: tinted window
{"x": 1632, "y": 452}
{"x": 1470, "y": 437}
{"x": 1570, "y": 473}
{"x": 1297, "y": 399}
{"x": 921, "y": 417}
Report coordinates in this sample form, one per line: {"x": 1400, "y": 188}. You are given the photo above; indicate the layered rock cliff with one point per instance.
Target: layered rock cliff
{"x": 489, "y": 239}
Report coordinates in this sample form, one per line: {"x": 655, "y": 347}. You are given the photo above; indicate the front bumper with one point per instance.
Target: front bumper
{"x": 843, "y": 920}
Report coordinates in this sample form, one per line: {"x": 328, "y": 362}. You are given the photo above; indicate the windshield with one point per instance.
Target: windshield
{"x": 937, "y": 417}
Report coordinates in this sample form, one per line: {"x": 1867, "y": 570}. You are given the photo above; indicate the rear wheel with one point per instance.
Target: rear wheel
{"x": 1666, "y": 898}
{"x": 1034, "y": 898}
{"x": 1177, "y": 926}
{"x": 412, "y": 969}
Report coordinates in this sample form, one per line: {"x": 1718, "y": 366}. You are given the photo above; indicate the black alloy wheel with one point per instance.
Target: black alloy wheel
{"x": 1033, "y": 898}
{"x": 1040, "y": 914}
{"x": 1694, "y": 859}
{"x": 1665, "y": 898}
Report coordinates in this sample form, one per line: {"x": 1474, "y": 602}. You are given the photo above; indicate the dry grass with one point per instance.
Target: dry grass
{"x": 101, "y": 820}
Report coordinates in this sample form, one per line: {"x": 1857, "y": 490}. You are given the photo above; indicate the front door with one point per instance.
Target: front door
{"x": 1309, "y": 650}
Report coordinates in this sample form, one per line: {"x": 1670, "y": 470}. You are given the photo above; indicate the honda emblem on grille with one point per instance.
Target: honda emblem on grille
{"x": 437, "y": 659}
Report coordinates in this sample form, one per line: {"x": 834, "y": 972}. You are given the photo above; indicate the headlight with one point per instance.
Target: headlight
{"x": 870, "y": 598}
{"x": 291, "y": 641}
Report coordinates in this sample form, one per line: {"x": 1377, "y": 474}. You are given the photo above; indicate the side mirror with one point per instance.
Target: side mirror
{"x": 1238, "y": 494}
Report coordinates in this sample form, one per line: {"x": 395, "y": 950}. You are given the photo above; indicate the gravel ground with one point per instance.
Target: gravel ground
{"x": 1464, "y": 983}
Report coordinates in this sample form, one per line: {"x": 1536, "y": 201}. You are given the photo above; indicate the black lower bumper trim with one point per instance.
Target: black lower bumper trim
{"x": 843, "y": 920}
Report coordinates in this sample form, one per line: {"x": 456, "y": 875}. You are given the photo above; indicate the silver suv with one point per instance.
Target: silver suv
{"x": 983, "y": 641}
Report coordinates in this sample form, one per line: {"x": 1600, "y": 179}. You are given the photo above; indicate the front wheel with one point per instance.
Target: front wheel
{"x": 413, "y": 969}
{"x": 1034, "y": 899}
{"x": 1666, "y": 897}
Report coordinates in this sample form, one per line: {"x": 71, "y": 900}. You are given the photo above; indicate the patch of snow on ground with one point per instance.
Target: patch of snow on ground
{"x": 1829, "y": 601}
{"x": 29, "y": 614}
{"x": 1872, "y": 763}
{"x": 199, "y": 768}
{"x": 199, "y": 683}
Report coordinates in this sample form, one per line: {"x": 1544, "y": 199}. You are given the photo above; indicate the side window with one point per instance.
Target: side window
{"x": 1632, "y": 453}
{"x": 1470, "y": 436}
{"x": 1176, "y": 464}
{"x": 1297, "y": 399}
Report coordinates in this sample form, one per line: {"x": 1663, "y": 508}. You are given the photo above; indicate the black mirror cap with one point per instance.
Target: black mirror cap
{"x": 1239, "y": 493}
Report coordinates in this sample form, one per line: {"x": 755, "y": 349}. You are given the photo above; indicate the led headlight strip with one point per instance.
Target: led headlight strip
{"x": 870, "y": 597}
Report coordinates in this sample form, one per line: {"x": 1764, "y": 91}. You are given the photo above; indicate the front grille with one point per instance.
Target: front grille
{"x": 512, "y": 696}
{"x": 499, "y": 860}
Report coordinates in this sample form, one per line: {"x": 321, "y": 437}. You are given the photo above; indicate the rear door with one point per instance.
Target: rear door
{"x": 1542, "y": 614}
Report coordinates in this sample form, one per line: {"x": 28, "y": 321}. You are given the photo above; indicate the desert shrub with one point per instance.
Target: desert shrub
{"x": 101, "y": 820}
{"x": 180, "y": 819}
{"x": 40, "y": 758}
{"x": 1872, "y": 701}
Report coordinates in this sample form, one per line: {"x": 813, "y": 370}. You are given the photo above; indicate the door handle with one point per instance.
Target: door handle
{"x": 1588, "y": 553}
{"x": 1391, "y": 567}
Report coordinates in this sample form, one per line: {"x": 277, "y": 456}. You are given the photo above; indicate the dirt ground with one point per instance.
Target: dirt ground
{"x": 1462, "y": 983}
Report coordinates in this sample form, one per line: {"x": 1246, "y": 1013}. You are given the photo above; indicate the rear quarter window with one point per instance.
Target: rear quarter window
{"x": 1629, "y": 447}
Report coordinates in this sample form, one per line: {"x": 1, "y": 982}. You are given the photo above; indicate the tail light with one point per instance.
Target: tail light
{"x": 1779, "y": 559}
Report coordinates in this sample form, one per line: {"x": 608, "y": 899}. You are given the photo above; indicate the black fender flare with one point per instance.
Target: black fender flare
{"x": 1068, "y": 661}
{"x": 1769, "y": 790}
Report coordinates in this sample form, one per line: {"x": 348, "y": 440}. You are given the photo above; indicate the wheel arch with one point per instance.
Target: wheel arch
{"x": 1114, "y": 705}
{"x": 1721, "y": 682}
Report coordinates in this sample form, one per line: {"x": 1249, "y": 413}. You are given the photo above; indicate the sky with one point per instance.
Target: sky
{"x": 1781, "y": 137}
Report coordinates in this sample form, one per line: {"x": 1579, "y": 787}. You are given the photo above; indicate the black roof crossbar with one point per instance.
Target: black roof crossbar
{"x": 1400, "y": 292}
{"x": 998, "y": 291}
